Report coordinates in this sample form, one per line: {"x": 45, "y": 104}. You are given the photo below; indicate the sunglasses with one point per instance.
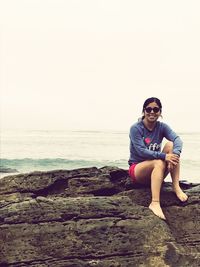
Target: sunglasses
{"x": 149, "y": 109}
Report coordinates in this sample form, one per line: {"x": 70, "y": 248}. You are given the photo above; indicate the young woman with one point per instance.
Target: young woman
{"x": 148, "y": 164}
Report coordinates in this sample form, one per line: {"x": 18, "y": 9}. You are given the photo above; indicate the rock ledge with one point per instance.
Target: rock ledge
{"x": 94, "y": 217}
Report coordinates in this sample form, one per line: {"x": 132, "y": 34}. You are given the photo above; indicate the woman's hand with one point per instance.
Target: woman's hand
{"x": 172, "y": 159}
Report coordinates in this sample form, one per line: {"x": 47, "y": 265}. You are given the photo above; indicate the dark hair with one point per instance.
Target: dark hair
{"x": 150, "y": 100}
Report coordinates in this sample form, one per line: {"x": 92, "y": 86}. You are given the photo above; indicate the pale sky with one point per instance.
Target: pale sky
{"x": 90, "y": 64}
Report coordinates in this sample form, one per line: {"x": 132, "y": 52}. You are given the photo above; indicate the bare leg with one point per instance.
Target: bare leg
{"x": 152, "y": 171}
{"x": 175, "y": 174}
{"x": 175, "y": 183}
{"x": 157, "y": 177}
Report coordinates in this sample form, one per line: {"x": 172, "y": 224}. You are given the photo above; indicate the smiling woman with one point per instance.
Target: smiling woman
{"x": 148, "y": 164}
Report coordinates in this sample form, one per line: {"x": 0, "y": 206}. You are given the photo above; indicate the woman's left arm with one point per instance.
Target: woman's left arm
{"x": 170, "y": 135}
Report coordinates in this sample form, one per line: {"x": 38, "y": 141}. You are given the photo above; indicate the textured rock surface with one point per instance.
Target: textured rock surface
{"x": 94, "y": 217}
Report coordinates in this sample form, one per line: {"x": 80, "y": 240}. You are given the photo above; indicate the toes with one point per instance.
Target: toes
{"x": 157, "y": 211}
{"x": 162, "y": 216}
{"x": 182, "y": 196}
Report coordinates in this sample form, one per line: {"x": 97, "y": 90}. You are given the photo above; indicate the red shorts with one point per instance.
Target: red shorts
{"x": 131, "y": 172}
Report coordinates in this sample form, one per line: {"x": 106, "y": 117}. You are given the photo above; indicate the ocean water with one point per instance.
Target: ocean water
{"x": 27, "y": 151}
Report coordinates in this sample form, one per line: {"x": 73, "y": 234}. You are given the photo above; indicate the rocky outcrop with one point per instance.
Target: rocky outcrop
{"x": 94, "y": 217}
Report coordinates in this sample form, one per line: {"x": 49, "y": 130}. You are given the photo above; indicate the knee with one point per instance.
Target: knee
{"x": 168, "y": 148}
{"x": 161, "y": 164}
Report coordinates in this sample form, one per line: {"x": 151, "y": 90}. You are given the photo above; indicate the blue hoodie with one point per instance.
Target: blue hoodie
{"x": 146, "y": 144}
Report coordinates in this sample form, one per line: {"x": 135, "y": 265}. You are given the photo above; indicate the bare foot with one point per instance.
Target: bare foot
{"x": 155, "y": 207}
{"x": 180, "y": 194}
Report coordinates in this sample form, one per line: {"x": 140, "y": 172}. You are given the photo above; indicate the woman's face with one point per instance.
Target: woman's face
{"x": 152, "y": 112}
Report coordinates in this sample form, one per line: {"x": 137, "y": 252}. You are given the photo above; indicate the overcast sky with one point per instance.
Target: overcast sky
{"x": 89, "y": 64}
